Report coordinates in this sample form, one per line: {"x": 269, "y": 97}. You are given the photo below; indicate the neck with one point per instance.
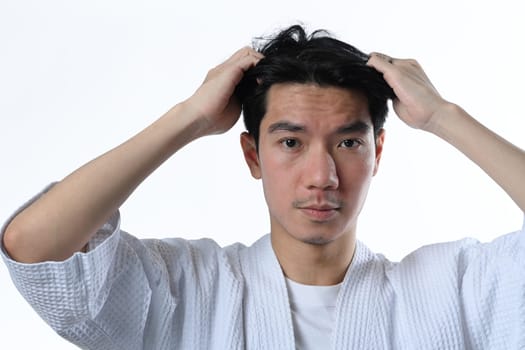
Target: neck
{"x": 312, "y": 264}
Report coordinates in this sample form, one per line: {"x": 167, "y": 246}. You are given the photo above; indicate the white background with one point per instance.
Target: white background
{"x": 79, "y": 77}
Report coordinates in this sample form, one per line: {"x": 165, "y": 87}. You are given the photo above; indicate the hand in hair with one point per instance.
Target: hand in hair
{"x": 420, "y": 106}
{"x": 418, "y": 101}
{"x": 214, "y": 101}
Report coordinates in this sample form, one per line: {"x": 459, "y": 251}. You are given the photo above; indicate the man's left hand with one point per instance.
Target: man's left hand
{"x": 418, "y": 102}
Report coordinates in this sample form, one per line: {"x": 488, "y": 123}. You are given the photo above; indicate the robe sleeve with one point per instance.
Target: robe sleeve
{"x": 493, "y": 292}
{"x": 96, "y": 300}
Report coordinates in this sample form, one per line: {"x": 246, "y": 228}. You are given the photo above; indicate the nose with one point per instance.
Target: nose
{"x": 321, "y": 171}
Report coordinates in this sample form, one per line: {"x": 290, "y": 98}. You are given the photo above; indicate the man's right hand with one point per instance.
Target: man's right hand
{"x": 214, "y": 103}
{"x": 62, "y": 221}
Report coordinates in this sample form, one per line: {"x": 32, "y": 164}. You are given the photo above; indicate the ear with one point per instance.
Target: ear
{"x": 249, "y": 148}
{"x": 380, "y": 139}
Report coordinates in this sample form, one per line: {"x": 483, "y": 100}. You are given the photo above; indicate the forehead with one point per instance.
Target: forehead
{"x": 315, "y": 105}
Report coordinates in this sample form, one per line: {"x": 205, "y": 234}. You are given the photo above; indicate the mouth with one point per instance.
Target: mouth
{"x": 320, "y": 213}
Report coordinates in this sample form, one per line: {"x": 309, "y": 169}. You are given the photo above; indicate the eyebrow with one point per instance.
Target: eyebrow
{"x": 285, "y": 126}
{"x": 353, "y": 127}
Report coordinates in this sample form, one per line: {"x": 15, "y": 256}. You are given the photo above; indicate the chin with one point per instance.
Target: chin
{"x": 317, "y": 240}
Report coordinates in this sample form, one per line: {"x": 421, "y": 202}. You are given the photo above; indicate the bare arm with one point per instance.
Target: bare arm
{"x": 420, "y": 106}
{"x": 63, "y": 220}
{"x": 501, "y": 160}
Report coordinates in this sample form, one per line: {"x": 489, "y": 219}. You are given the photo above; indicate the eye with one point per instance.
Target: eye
{"x": 290, "y": 143}
{"x": 349, "y": 143}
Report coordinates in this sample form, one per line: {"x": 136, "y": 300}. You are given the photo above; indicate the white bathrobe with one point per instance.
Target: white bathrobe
{"x": 126, "y": 293}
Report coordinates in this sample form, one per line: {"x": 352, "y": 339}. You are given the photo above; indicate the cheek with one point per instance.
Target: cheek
{"x": 277, "y": 181}
{"x": 355, "y": 176}
{"x": 274, "y": 176}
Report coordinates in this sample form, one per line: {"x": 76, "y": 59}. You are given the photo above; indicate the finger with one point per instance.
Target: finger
{"x": 380, "y": 61}
{"x": 241, "y": 60}
{"x": 248, "y": 61}
{"x": 234, "y": 70}
{"x": 383, "y": 57}
{"x": 243, "y": 52}
{"x": 244, "y": 56}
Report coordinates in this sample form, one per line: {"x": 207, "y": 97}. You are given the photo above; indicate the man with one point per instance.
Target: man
{"x": 314, "y": 109}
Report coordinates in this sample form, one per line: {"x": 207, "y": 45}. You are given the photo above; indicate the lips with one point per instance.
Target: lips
{"x": 321, "y": 207}
{"x": 320, "y": 213}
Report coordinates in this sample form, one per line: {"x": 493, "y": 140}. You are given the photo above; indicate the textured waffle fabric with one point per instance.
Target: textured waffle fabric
{"x": 126, "y": 293}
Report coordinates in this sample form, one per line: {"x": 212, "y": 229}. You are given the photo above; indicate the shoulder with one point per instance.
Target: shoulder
{"x": 196, "y": 250}
{"x": 458, "y": 262}
{"x": 193, "y": 257}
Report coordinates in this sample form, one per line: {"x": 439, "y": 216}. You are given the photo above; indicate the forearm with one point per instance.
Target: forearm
{"x": 501, "y": 160}
{"x": 63, "y": 220}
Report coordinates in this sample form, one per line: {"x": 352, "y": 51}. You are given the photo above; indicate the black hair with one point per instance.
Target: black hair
{"x": 291, "y": 56}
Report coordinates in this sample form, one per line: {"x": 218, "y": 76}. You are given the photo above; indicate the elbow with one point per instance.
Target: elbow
{"x": 30, "y": 245}
{"x": 14, "y": 241}
{"x": 10, "y": 241}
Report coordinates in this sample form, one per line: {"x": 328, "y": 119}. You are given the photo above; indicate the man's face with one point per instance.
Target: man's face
{"x": 317, "y": 156}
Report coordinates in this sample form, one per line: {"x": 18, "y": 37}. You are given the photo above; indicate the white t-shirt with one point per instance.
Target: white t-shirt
{"x": 313, "y": 314}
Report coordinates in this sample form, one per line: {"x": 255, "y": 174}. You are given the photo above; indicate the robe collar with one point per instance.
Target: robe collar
{"x": 267, "y": 313}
